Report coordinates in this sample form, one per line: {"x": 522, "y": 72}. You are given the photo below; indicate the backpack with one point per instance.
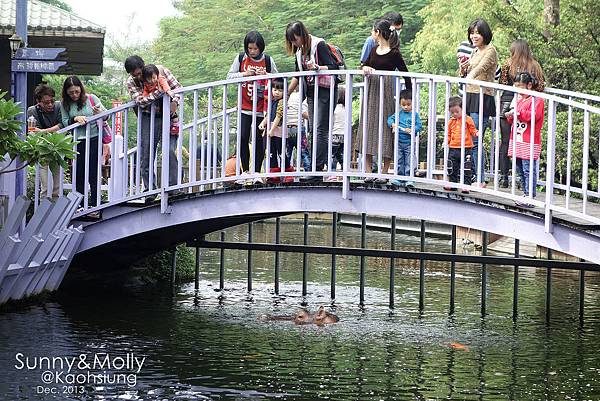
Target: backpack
{"x": 267, "y": 60}
{"x": 338, "y": 56}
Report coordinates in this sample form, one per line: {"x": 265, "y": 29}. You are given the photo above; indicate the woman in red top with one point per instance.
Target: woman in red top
{"x": 253, "y": 61}
{"x": 529, "y": 111}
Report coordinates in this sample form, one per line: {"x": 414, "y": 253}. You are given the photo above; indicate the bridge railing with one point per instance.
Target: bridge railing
{"x": 210, "y": 132}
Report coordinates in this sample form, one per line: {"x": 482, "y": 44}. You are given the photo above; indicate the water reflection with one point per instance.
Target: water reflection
{"x": 210, "y": 344}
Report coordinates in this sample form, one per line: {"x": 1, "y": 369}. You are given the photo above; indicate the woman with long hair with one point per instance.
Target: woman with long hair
{"x": 386, "y": 57}
{"x": 482, "y": 67}
{"x": 520, "y": 60}
{"x": 313, "y": 54}
{"x": 76, "y": 107}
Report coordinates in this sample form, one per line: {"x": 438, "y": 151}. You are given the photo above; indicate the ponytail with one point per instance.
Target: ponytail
{"x": 388, "y": 32}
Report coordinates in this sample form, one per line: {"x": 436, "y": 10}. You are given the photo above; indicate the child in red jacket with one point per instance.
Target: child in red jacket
{"x": 529, "y": 112}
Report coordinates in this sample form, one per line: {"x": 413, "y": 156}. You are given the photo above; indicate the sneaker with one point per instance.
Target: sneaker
{"x": 449, "y": 188}
{"x": 479, "y": 185}
{"x": 311, "y": 179}
{"x": 331, "y": 178}
{"x": 397, "y": 183}
{"x": 242, "y": 179}
{"x": 380, "y": 181}
{"x": 504, "y": 182}
{"x": 369, "y": 180}
{"x": 410, "y": 184}
{"x": 258, "y": 181}
{"x": 524, "y": 203}
{"x": 464, "y": 191}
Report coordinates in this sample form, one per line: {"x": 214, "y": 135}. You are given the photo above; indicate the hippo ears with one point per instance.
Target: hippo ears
{"x": 321, "y": 312}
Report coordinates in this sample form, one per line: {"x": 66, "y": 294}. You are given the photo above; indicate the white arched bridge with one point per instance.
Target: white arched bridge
{"x": 197, "y": 194}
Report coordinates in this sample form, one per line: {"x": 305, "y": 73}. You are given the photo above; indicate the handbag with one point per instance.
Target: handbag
{"x": 106, "y": 129}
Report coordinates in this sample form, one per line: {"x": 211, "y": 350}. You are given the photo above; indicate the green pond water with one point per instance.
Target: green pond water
{"x": 212, "y": 345}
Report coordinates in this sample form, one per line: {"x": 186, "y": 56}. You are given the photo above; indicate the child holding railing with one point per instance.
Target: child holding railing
{"x": 403, "y": 128}
{"x": 528, "y": 111}
{"x": 455, "y": 144}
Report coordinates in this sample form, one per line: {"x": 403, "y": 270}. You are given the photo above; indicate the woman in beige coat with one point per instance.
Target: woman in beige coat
{"x": 481, "y": 66}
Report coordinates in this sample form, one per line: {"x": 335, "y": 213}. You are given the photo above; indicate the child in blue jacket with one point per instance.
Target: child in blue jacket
{"x": 403, "y": 129}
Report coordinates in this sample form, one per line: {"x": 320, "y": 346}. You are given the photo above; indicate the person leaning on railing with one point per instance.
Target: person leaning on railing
{"x": 313, "y": 54}
{"x": 135, "y": 86}
{"x": 46, "y": 113}
{"x": 386, "y": 57}
{"x": 76, "y": 107}
{"x": 482, "y": 67}
{"x": 520, "y": 60}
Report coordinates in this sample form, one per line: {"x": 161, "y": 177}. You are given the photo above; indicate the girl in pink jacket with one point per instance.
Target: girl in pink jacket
{"x": 529, "y": 113}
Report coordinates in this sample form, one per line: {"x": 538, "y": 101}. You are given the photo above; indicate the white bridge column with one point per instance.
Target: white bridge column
{"x": 115, "y": 186}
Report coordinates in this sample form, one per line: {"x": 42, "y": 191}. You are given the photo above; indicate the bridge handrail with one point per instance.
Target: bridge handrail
{"x": 216, "y": 118}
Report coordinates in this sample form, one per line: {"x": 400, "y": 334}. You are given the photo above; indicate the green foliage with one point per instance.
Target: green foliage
{"x": 568, "y": 56}
{"x": 59, "y": 3}
{"x": 200, "y": 45}
{"x": 47, "y": 149}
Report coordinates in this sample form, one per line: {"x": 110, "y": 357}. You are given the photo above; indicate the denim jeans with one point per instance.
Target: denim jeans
{"x": 524, "y": 170}
{"x": 290, "y": 144}
{"x": 403, "y": 167}
{"x": 320, "y": 127}
{"x": 337, "y": 155}
{"x": 145, "y": 150}
{"x": 479, "y": 164}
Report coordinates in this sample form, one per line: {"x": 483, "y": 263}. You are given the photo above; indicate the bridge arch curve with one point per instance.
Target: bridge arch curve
{"x": 127, "y": 233}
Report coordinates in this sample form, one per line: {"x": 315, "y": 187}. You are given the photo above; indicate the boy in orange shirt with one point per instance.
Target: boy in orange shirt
{"x": 455, "y": 141}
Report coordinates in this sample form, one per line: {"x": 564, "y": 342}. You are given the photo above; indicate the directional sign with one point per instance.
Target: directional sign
{"x": 36, "y": 66}
{"x": 38, "y": 53}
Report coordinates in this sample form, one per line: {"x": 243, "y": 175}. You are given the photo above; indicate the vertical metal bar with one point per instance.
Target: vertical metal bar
{"x": 225, "y": 134}
{"x": 266, "y": 138}
{"x": 581, "y": 295}
{"x": 197, "y": 272}
{"x": 414, "y": 150}
{"x": 431, "y": 116}
{"x": 569, "y": 152}
{"x": 315, "y": 120}
{"x": 98, "y": 166}
{"x": 586, "y": 157}
{"x": 179, "y": 153}
{"x": 516, "y": 280}
{"x": 453, "y": 270}
{"x": 364, "y": 120}
{"x": 548, "y": 287}
{"x": 347, "y": 137}
{"x": 238, "y": 131}
{"x": 222, "y": 264}
{"x": 334, "y": 218}
{"x": 396, "y": 132}
{"x": 138, "y": 152}
{"x": 300, "y": 127}
{"x": 125, "y": 151}
{"x": 277, "y": 240}
{"x": 380, "y": 127}
{"x": 166, "y": 154}
{"x": 446, "y": 120}
{"x": 496, "y": 141}
{"x": 332, "y": 106}
{"x": 363, "y": 244}
{"x": 463, "y": 125}
{"x": 249, "y": 258}
{"x": 86, "y": 178}
{"x": 422, "y": 270}
{"x": 531, "y": 145}
{"x": 550, "y": 165}
{"x": 194, "y": 141}
{"x": 209, "y": 134}
{"x": 151, "y": 148}
{"x": 392, "y": 261}
{"x": 513, "y": 149}
{"x": 480, "y": 153}
{"x": 304, "y": 257}
{"x": 254, "y": 149}
{"x": 484, "y": 249}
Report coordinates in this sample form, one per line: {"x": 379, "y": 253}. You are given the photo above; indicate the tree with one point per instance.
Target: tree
{"x": 551, "y": 14}
{"x": 59, "y": 3}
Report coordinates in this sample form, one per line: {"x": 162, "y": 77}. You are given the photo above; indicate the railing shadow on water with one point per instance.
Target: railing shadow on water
{"x": 209, "y": 134}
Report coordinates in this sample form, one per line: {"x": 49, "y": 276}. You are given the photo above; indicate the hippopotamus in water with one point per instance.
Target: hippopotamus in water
{"x": 302, "y": 316}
